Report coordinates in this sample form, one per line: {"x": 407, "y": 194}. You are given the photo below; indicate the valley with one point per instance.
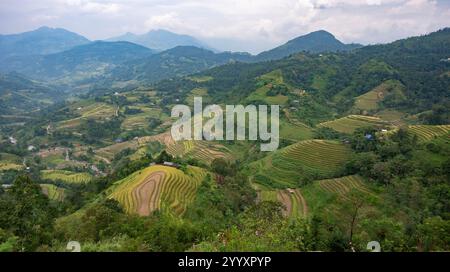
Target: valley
{"x": 364, "y": 148}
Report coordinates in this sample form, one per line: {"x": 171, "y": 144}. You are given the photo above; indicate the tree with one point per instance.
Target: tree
{"x": 25, "y": 212}
{"x": 164, "y": 156}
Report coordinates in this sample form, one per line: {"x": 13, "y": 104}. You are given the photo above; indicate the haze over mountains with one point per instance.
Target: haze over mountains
{"x": 83, "y": 61}
{"x": 68, "y": 59}
{"x": 161, "y": 40}
{"x": 41, "y": 41}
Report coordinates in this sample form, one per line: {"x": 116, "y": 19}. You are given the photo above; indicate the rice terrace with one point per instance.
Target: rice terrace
{"x": 239, "y": 126}
{"x": 156, "y": 187}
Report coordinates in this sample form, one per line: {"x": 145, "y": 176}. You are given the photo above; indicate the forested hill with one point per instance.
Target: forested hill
{"x": 420, "y": 64}
{"x": 178, "y": 61}
{"x": 314, "y": 42}
{"x": 44, "y": 40}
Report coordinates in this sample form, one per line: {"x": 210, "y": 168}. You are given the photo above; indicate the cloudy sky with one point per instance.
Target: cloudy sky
{"x": 238, "y": 25}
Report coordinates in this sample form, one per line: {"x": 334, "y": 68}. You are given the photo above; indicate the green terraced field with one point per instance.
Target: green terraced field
{"x": 350, "y": 123}
{"x": 203, "y": 151}
{"x": 198, "y": 92}
{"x": 369, "y": 101}
{"x": 428, "y": 132}
{"x": 295, "y": 131}
{"x": 268, "y": 80}
{"x": 141, "y": 120}
{"x": 200, "y": 79}
{"x": 158, "y": 187}
{"x": 342, "y": 186}
{"x": 53, "y": 192}
{"x": 93, "y": 111}
{"x": 288, "y": 166}
{"x": 66, "y": 176}
{"x": 6, "y": 157}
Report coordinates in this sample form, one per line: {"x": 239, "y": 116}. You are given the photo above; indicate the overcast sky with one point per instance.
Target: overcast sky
{"x": 238, "y": 25}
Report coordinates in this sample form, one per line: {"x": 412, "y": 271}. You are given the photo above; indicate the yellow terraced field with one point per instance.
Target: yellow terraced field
{"x": 204, "y": 151}
{"x": 428, "y": 132}
{"x": 156, "y": 187}
{"x": 66, "y": 176}
{"x": 9, "y": 166}
{"x": 350, "y": 123}
{"x": 109, "y": 151}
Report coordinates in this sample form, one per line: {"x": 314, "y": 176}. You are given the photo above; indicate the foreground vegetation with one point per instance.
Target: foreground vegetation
{"x": 364, "y": 155}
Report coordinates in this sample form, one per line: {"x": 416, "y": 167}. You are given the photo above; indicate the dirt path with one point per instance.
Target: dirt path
{"x": 303, "y": 201}
{"x": 284, "y": 197}
{"x": 44, "y": 191}
{"x": 147, "y": 195}
{"x": 103, "y": 159}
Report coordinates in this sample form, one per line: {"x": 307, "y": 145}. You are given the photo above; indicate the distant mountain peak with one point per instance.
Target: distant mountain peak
{"x": 160, "y": 39}
{"x": 314, "y": 42}
{"x": 43, "y": 28}
{"x": 41, "y": 41}
{"x": 320, "y": 32}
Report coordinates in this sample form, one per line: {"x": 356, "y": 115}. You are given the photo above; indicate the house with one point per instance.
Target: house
{"x": 6, "y": 186}
{"x": 12, "y": 140}
{"x": 171, "y": 164}
{"x": 31, "y": 148}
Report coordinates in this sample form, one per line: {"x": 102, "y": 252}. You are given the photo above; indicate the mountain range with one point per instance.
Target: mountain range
{"x": 41, "y": 41}
{"x": 314, "y": 42}
{"x": 80, "y": 63}
{"x": 362, "y": 136}
{"x": 69, "y": 59}
{"x": 161, "y": 40}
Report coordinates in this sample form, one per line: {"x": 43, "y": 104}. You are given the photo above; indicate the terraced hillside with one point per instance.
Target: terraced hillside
{"x": 156, "y": 187}
{"x": 66, "y": 176}
{"x": 268, "y": 89}
{"x": 342, "y": 186}
{"x": 369, "y": 101}
{"x": 4, "y": 166}
{"x": 203, "y": 151}
{"x": 292, "y": 200}
{"x": 349, "y": 124}
{"x": 311, "y": 158}
{"x": 53, "y": 192}
{"x": 428, "y": 132}
{"x": 96, "y": 111}
{"x": 108, "y": 152}
{"x": 10, "y": 162}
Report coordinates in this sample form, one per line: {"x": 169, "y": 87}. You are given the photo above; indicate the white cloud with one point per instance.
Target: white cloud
{"x": 93, "y": 6}
{"x": 251, "y": 25}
